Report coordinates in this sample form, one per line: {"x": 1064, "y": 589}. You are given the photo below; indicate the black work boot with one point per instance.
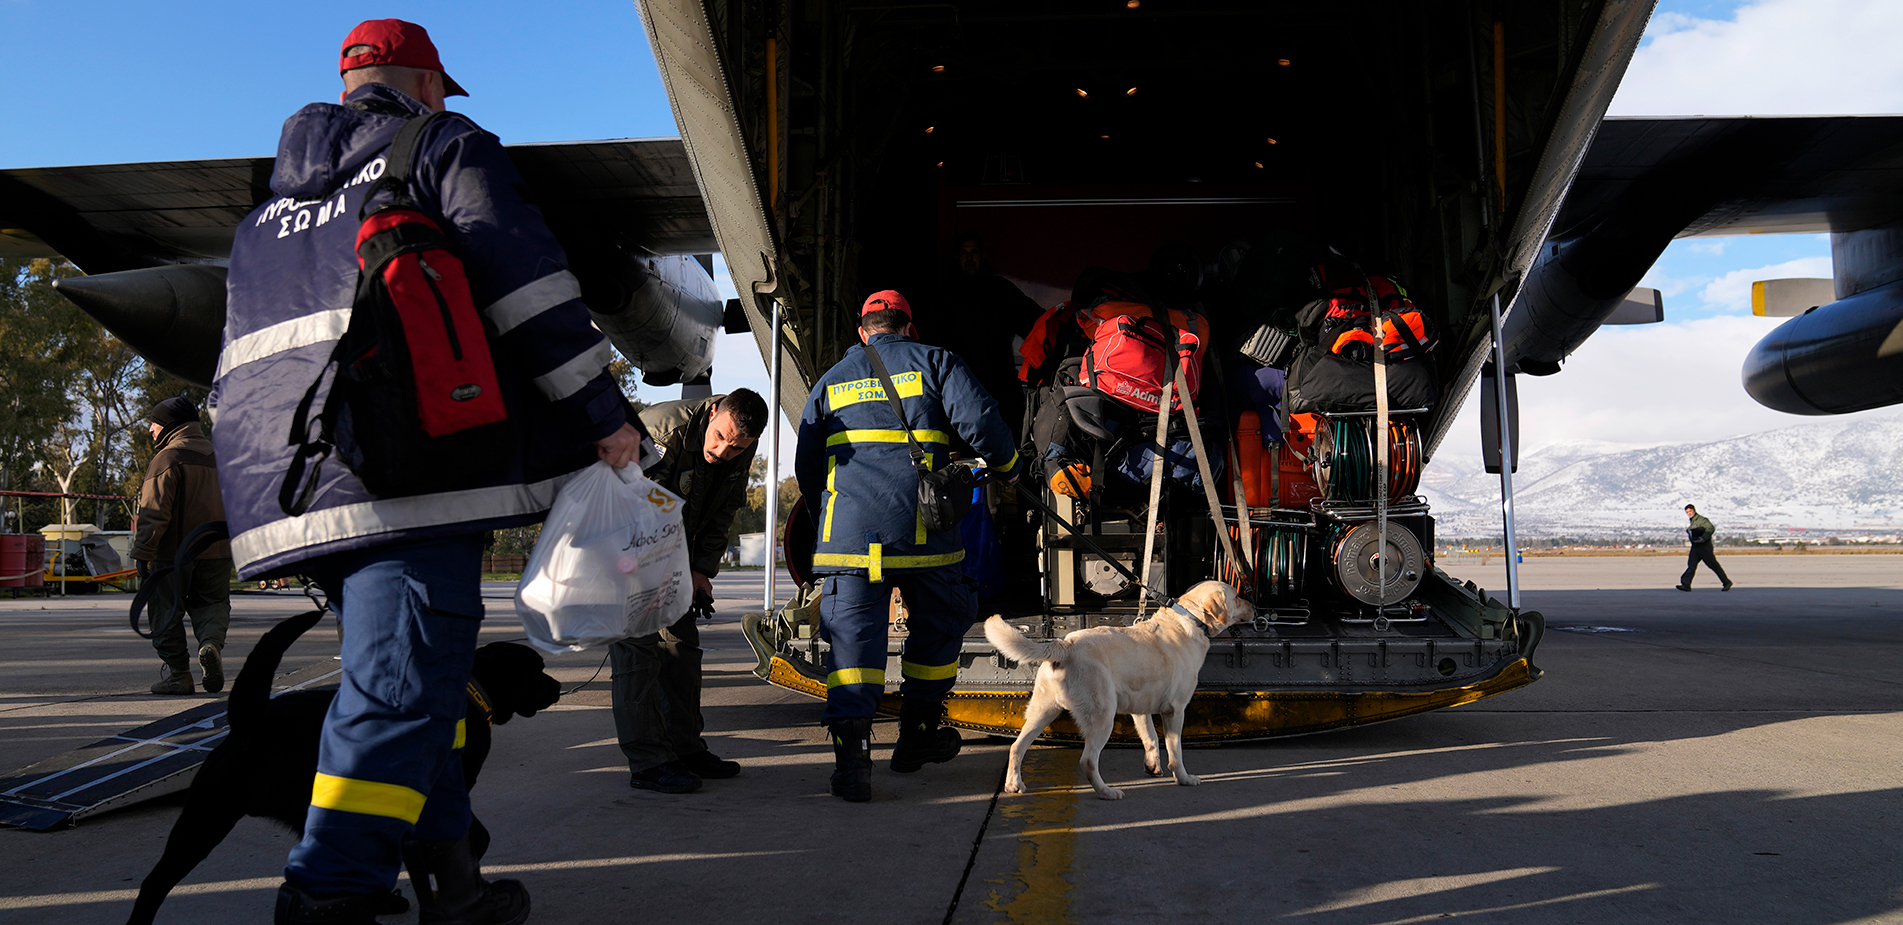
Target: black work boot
{"x": 852, "y": 759}
{"x": 921, "y": 740}
{"x": 296, "y": 907}
{"x": 450, "y": 889}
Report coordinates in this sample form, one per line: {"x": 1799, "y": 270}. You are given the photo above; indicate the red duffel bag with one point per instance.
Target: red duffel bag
{"x": 1126, "y": 361}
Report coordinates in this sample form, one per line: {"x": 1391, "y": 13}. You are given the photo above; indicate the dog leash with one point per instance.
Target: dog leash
{"x": 202, "y": 537}
{"x": 591, "y": 678}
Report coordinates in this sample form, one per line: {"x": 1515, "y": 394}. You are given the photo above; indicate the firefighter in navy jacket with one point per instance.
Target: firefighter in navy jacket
{"x": 402, "y": 573}
{"x": 854, "y": 462}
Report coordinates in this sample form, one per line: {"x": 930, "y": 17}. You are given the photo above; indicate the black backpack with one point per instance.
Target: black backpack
{"x": 415, "y": 406}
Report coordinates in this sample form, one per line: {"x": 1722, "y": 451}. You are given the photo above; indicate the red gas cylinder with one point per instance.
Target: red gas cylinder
{"x": 1249, "y": 448}
{"x": 21, "y": 560}
{"x": 1295, "y": 482}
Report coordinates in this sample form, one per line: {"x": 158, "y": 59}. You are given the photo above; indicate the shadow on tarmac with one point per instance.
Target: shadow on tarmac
{"x": 1358, "y": 827}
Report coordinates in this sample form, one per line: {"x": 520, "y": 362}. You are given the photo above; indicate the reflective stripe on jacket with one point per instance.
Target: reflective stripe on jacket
{"x": 855, "y": 467}
{"x": 291, "y": 284}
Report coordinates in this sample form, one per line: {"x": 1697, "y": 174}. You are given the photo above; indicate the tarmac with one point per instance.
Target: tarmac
{"x": 1705, "y": 757}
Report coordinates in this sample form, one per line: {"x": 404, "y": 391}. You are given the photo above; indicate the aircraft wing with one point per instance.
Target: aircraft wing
{"x": 153, "y": 238}
{"x": 1643, "y": 182}
{"x": 639, "y": 192}
{"x": 1750, "y": 174}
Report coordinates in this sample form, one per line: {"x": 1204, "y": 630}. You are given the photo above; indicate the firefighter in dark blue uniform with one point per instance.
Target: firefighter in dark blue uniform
{"x": 403, "y": 573}
{"x": 853, "y": 458}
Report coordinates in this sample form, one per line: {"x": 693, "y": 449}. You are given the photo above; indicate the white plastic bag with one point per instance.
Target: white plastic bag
{"x": 611, "y": 563}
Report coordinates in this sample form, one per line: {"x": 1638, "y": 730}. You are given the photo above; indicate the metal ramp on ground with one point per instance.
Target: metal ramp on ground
{"x": 145, "y": 763}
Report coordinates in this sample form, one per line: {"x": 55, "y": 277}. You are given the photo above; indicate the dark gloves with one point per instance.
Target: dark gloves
{"x": 144, "y": 566}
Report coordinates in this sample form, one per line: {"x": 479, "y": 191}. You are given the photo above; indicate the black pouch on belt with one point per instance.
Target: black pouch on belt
{"x": 944, "y": 495}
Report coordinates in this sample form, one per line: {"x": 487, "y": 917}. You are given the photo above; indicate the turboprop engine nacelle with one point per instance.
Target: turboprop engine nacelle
{"x": 661, "y": 313}
{"x": 1834, "y": 359}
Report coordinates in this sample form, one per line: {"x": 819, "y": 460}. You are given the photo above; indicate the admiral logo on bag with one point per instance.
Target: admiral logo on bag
{"x": 1126, "y": 361}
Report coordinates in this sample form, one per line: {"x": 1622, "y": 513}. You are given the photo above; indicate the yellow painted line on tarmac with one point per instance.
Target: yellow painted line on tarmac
{"x": 46, "y": 900}
{"x": 1046, "y": 870}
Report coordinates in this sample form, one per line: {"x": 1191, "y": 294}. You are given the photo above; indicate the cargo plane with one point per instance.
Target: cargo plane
{"x": 830, "y": 148}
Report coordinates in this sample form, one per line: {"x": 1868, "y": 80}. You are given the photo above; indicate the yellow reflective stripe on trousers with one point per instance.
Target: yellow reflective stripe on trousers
{"x": 846, "y": 676}
{"x": 462, "y": 734}
{"x": 848, "y": 560}
{"x": 875, "y": 563}
{"x": 886, "y": 436}
{"x": 832, "y": 499}
{"x": 367, "y": 797}
{"x": 928, "y": 672}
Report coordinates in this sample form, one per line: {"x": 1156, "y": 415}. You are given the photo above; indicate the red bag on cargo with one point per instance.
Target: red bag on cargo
{"x": 1127, "y": 361}
{"x": 415, "y": 406}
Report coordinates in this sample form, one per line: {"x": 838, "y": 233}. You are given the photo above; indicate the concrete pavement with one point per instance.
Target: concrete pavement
{"x": 1712, "y": 757}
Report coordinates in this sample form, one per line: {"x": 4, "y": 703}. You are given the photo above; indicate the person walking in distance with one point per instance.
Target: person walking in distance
{"x": 1701, "y": 533}
{"x": 401, "y": 568}
{"x": 706, "y": 448}
{"x": 854, "y": 458}
{"x": 179, "y": 495}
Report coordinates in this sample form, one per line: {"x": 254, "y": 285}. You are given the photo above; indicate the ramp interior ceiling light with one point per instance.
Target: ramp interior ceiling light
{"x": 938, "y": 69}
{"x": 1271, "y": 141}
{"x": 928, "y": 129}
{"x": 1104, "y": 137}
{"x": 1282, "y": 61}
{"x": 1132, "y": 4}
{"x": 1081, "y": 94}
{"x": 1130, "y": 92}
{"x": 1258, "y": 165}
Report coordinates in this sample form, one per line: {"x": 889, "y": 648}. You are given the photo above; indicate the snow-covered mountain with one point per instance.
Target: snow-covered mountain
{"x": 1842, "y": 477}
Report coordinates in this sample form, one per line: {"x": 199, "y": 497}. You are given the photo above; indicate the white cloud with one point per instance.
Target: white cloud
{"x": 1776, "y": 57}
{"x": 1732, "y": 291}
{"x": 1715, "y": 248}
{"x": 1643, "y": 384}
{"x": 1669, "y": 286}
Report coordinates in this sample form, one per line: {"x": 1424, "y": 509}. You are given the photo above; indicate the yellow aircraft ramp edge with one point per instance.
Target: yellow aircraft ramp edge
{"x": 1214, "y": 716}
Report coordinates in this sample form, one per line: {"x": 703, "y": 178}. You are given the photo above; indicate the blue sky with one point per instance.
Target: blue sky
{"x": 123, "y": 81}
{"x": 120, "y": 81}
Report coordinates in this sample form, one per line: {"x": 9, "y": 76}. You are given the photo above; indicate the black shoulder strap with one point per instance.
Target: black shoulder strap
{"x": 892, "y": 395}
{"x": 399, "y": 162}
{"x": 1414, "y": 348}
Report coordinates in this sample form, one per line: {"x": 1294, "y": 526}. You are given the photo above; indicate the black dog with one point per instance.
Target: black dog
{"x": 264, "y": 767}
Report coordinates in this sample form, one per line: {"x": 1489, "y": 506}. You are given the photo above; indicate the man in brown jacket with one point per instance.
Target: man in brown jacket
{"x": 706, "y": 451}
{"x": 179, "y": 494}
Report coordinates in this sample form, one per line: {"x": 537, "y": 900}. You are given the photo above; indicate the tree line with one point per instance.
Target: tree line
{"x": 72, "y": 412}
{"x": 72, "y": 403}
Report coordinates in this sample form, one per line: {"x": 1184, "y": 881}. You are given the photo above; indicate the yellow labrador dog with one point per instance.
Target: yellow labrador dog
{"x": 1146, "y": 669}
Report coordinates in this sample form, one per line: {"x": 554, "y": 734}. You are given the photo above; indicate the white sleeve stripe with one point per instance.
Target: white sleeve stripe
{"x": 568, "y": 378}
{"x": 315, "y": 328}
{"x": 533, "y": 299}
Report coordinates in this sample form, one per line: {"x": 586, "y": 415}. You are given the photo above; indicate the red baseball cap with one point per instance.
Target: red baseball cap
{"x": 883, "y": 300}
{"x": 399, "y": 43}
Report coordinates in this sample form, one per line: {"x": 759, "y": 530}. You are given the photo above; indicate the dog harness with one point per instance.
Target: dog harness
{"x": 481, "y": 698}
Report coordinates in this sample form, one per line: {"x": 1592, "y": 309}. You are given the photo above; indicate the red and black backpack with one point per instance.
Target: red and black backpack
{"x": 415, "y": 405}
